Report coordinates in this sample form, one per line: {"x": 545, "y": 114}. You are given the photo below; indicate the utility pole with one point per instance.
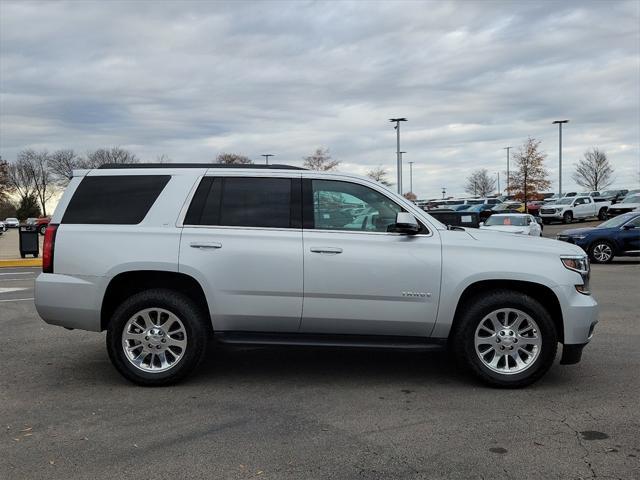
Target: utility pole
{"x": 266, "y": 157}
{"x": 399, "y": 155}
{"x": 507, "y": 149}
{"x": 560, "y": 122}
{"x": 410, "y": 176}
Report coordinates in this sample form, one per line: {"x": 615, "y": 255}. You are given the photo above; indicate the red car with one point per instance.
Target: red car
{"x": 533, "y": 207}
{"x": 42, "y": 223}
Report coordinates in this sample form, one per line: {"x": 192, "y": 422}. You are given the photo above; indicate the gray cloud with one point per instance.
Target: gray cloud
{"x": 191, "y": 79}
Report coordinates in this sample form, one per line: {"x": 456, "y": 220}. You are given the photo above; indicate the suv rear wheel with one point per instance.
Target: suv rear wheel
{"x": 157, "y": 337}
{"x": 506, "y": 338}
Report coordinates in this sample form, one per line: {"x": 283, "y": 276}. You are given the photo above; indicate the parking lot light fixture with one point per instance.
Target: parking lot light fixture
{"x": 399, "y": 155}
{"x": 266, "y": 157}
{"x": 560, "y": 122}
{"x": 507, "y": 149}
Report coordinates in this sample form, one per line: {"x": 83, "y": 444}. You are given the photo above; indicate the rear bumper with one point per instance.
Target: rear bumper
{"x": 70, "y": 302}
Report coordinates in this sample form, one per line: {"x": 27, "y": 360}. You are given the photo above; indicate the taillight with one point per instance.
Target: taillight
{"x": 48, "y": 247}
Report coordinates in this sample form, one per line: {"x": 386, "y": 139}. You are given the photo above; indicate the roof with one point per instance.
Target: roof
{"x": 118, "y": 166}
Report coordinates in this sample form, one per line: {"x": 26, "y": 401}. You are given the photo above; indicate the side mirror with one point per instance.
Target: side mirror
{"x": 406, "y": 224}
{"x": 481, "y": 224}
{"x": 628, "y": 227}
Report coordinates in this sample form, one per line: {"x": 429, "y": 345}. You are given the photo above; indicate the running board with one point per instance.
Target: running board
{"x": 324, "y": 340}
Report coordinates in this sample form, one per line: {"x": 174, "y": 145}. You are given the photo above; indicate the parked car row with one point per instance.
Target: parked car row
{"x": 629, "y": 204}
{"x": 12, "y": 222}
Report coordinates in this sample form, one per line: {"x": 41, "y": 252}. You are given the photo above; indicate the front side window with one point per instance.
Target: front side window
{"x": 348, "y": 206}
{"x": 242, "y": 202}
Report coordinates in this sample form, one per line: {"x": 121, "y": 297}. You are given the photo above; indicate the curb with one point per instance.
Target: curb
{"x": 21, "y": 262}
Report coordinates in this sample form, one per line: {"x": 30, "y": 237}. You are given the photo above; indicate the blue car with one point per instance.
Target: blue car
{"x": 619, "y": 236}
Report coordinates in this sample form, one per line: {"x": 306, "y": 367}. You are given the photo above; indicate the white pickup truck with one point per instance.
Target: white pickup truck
{"x": 569, "y": 208}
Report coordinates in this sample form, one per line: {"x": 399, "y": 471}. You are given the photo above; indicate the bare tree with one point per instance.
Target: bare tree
{"x": 20, "y": 179}
{"x": 593, "y": 171}
{"x": 5, "y": 186}
{"x": 163, "y": 158}
{"x": 233, "y": 159}
{"x": 61, "y": 165}
{"x": 480, "y": 183}
{"x": 320, "y": 160}
{"x": 379, "y": 174}
{"x": 104, "y": 156}
{"x": 36, "y": 167}
{"x": 530, "y": 175}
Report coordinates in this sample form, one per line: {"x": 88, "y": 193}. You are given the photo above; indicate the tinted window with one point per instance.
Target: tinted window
{"x": 114, "y": 200}
{"x": 349, "y": 206}
{"x": 242, "y": 202}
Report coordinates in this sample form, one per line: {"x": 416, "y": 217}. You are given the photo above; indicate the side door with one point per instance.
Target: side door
{"x": 630, "y": 235}
{"x": 579, "y": 208}
{"x": 358, "y": 277}
{"x": 242, "y": 239}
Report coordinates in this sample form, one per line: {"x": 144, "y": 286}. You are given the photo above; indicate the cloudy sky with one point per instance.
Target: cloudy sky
{"x": 192, "y": 79}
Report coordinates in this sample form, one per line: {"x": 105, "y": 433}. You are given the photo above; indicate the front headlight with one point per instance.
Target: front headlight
{"x": 579, "y": 264}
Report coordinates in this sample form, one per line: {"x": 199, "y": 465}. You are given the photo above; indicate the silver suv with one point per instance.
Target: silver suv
{"x": 167, "y": 257}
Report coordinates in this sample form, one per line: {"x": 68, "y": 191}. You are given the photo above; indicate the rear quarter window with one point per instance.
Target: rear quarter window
{"x": 114, "y": 200}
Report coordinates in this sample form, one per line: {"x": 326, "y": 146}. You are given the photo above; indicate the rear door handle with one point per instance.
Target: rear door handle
{"x": 329, "y": 250}
{"x": 205, "y": 245}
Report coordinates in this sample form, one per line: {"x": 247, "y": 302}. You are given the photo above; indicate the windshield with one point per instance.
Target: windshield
{"x": 508, "y": 220}
{"x": 475, "y": 202}
{"x": 565, "y": 201}
{"x": 618, "y": 221}
{"x": 606, "y": 193}
{"x": 632, "y": 199}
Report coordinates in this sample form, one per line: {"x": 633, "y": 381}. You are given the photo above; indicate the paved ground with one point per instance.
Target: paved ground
{"x": 9, "y": 248}
{"x": 305, "y": 414}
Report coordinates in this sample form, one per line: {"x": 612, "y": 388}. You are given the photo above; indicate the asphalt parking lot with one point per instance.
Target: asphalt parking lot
{"x": 288, "y": 413}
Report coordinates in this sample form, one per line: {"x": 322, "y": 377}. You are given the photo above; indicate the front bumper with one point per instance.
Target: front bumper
{"x": 579, "y": 314}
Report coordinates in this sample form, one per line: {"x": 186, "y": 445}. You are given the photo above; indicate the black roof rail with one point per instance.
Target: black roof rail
{"x": 112, "y": 166}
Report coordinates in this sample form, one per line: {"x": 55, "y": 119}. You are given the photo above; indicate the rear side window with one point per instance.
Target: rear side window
{"x": 245, "y": 202}
{"x": 114, "y": 200}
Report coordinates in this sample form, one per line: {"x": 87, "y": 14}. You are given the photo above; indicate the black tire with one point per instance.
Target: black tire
{"x": 195, "y": 321}
{"x": 598, "y": 258}
{"x": 567, "y": 217}
{"x": 545, "y": 221}
{"x": 475, "y": 310}
{"x": 602, "y": 214}
{"x": 42, "y": 229}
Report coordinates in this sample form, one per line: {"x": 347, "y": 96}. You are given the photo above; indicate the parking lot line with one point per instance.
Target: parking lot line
{"x": 17, "y": 300}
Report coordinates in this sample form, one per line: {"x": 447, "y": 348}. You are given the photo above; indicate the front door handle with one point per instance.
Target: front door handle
{"x": 205, "y": 245}
{"x": 329, "y": 250}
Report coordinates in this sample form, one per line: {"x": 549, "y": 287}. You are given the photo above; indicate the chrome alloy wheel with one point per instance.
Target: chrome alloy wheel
{"x": 508, "y": 341}
{"x": 602, "y": 252}
{"x": 154, "y": 340}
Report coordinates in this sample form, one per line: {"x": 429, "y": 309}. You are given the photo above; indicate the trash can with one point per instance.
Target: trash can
{"x": 29, "y": 241}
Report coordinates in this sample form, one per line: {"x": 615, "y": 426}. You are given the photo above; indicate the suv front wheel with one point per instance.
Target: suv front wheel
{"x": 506, "y": 338}
{"x": 157, "y": 337}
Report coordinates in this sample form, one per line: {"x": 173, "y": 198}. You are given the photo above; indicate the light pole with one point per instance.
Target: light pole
{"x": 444, "y": 191}
{"x": 266, "y": 156}
{"x": 411, "y": 177}
{"x": 399, "y": 158}
{"x": 507, "y": 149}
{"x": 560, "y": 122}
{"x": 498, "y": 182}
